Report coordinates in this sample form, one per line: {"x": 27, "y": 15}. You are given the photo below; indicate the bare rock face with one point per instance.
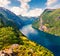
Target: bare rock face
{"x": 1, "y": 53}
{"x": 43, "y": 28}
{"x": 14, "y": 46}
{"x": 9, "y": 51}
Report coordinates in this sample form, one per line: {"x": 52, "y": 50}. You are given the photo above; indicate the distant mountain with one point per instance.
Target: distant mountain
{"x": 36, "y": 24}
{"x": 49, "y": 21}
{"x": 9, "y": 17}
{"x": 28, "y": 20}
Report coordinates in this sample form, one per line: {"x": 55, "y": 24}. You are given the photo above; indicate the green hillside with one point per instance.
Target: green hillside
{"x": 13, "y": 42}
{"x": 51, "y": 21}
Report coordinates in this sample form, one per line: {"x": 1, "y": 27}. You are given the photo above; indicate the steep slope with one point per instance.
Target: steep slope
{"x": 12, "y": 45}
{"x": 5, "y": 22}
{"x": 50, "y": 21}
{"x": 46, "y": 12}
{"x": 11, "y": 17}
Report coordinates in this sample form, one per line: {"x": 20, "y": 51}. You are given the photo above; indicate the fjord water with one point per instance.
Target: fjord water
{"x": 49, "y": 41}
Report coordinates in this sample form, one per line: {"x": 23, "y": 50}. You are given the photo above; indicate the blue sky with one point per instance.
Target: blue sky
{"x": 37, "y": 3}
{"x": 30, "y": 8}
{"x": 32, "y": 3}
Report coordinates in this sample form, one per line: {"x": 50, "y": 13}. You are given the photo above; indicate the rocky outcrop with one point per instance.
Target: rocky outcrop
{"x": 9, "y": 51}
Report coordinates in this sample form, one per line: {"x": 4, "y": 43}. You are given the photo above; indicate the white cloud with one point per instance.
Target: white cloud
{"x": 24, "y": 1}
{"x": 4, "y": 3}
{"x": 55, "y": 6}
{"x": 33, "y": 13}
{"x": 24, "y": 9}
{"x": 16, "y": 10}
{"x": 50, "y": 2}
{"x": 24, "y": 4}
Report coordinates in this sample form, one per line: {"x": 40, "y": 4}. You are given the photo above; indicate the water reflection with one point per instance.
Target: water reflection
{"x": 49, "y": 41}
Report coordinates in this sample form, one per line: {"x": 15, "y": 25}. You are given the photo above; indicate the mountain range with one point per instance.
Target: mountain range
{"x": 28, "y": 20}
{"x": 19, "y": 21}
{"x": 49, "y": 21}
{"x": 7, "y": 15}
{"x": 10, "y": 36}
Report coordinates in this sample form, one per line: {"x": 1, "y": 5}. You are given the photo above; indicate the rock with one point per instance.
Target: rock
{"x": 14, "y": 46}
{"x": 2, "y": 53}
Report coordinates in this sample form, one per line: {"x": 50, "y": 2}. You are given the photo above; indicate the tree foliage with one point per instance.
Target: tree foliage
{"x": 8, "y": 36}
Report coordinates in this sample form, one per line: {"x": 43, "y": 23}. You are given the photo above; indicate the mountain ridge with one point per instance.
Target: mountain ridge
{"x": 50, "y": 21}
{"x": 11, "y": 16}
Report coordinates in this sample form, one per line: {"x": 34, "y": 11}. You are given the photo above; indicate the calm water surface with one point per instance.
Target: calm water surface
{"x": 49, "y": 41}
